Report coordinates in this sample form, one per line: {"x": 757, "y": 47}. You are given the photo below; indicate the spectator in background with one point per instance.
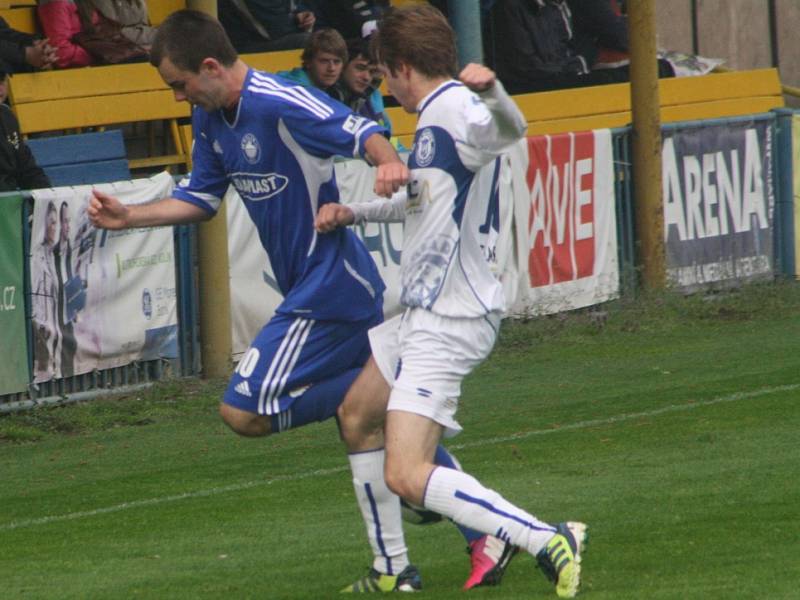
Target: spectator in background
{"x": 18, "y": 168}
{"x": 22, "y": 51}
{"x": 60, "y": 20}
{"x": 348, "y": 17}
{"x": 539, "y": 45}
{"x": 131, "y": 14}
{"x": 265, "y": 25}
{"x": 356, "y": 88}
{"x": 323, "y": 59}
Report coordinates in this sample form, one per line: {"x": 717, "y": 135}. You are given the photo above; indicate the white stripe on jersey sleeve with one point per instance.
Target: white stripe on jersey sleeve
{"x": 210, "y": 199}
{"x": 297, "y": 95}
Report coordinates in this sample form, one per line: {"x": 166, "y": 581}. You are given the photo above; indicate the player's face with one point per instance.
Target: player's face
{"x": 195, "y": 88}
{"x": 358, "y": 75}
{"x": 324, "y": 69}
{"x": 398, "y": 84}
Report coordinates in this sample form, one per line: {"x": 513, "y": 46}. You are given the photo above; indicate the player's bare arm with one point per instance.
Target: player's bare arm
{"x": 107, "y": 212}
{"x": 391, "y": 173}
{"x": 477, "y": 77}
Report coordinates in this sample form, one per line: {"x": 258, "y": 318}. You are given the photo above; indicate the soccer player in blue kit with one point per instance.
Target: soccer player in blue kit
{"x": 453, "y": 299}
{"x": 274, "y": 142}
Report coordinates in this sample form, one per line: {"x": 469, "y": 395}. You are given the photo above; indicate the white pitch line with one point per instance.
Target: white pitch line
{"x": 323, "y": 472}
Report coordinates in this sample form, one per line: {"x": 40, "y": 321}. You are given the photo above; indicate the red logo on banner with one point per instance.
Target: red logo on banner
{"x": 561, "y": 224}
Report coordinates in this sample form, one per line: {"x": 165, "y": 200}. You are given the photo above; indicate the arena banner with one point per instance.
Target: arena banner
{"x": 254, "y": 293}
{"x": 14, "y": 373}
{"x": 719, "y": 201}
{"x": 796, "y": 188}
{"x": 567, "y": 223}
{"x": 100, "y": 299}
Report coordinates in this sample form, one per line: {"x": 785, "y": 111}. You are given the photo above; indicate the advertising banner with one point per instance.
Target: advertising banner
{"x": 14, "y": 374}
{"x": 100, "y": 299}
{"x": 719, "y": 201}
{"x": 571, "y": 235}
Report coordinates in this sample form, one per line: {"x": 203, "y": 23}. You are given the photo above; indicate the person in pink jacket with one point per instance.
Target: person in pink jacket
{"x": 60, "y": 20}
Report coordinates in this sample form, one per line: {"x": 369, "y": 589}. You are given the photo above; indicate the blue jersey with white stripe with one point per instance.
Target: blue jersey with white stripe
{"x": 277, "y": 151}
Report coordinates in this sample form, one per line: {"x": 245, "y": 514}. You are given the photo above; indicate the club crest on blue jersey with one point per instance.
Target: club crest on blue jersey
{"x": 251, "y": 148}
{"x": 258, "y": 186}
{"x": 425, "y": 148}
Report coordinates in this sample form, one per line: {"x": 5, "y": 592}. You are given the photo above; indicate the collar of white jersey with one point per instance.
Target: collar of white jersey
{"x": 443, "y": 87}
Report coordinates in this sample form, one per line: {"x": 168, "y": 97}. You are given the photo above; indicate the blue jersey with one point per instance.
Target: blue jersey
{"x": 277, "y": 151}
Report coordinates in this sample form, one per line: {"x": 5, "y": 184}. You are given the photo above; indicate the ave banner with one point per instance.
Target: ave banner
{"x": 100, "y": 299}
{"x": 14, "y": 373}
{"x": 570, "y": 234}
{"x": 719, "y": 199}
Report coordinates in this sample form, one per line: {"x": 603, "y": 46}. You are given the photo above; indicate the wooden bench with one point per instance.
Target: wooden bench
{"x": 682, "y": 99}
{"x": 84, "y": 158}
{"x": 72, "y": 99}
{"x": 21, "y": 18}
{"x": 100, "y": 96}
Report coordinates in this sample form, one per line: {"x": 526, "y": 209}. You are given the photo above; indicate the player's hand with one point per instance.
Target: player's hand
{"x": 333, "y": 215}
{"x": 390, "y": 177}
{"x": 305, "y": 20}
{"x": 477, "y": 77}
{"x": 107, "y": 212}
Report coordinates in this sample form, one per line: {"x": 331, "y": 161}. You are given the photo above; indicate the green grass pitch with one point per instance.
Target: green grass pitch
{"x": 670, "y": 425}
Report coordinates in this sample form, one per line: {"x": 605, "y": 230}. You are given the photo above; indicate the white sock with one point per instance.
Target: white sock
{"x": 461, "y": 497}
{"x": 381, "y": 511}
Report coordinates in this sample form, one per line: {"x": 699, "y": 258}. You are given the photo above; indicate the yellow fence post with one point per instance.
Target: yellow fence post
{"x": 215, "y": 295}
{"x": 645, "y": 107}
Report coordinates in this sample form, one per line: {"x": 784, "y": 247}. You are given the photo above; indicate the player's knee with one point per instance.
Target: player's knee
{"x": 355, "y": 422}
{"x": 244, "y": 423}
{"x": 399, "y": 477}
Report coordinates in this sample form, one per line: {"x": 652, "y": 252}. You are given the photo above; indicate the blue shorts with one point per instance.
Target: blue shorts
{"x": 300, "y": 367}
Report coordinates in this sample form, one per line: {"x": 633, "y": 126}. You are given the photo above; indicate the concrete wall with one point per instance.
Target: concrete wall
{"x": 735, "y": 30}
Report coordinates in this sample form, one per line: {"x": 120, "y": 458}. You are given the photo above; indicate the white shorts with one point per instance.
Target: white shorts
{"x": 425, "y": 356}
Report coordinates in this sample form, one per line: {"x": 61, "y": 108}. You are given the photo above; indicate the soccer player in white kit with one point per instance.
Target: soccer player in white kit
{"x": 453, "y": 300}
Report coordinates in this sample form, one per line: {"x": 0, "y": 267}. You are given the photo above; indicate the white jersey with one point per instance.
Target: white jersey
{"x": 450, "y": 205}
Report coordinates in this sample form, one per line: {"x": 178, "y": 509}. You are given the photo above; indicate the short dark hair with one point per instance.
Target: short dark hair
{"x": 188, "y": 37}
{"x": 325, "y": 40}
{"x": 419, "y": 36}
{"x": 357, "y": 47}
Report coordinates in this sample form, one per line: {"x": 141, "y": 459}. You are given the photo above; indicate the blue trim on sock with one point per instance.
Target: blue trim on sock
{"x": 374, "y": 506}
{"x": 488, "y": 506}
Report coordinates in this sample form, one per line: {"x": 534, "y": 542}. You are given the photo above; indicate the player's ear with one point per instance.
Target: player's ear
{"x": 211, "y": 66}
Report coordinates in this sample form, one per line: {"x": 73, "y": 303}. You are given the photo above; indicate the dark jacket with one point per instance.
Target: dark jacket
{"x": 12, "y": 47}
{"x": 18, "y": 168}
{"x": 534, "y": 39}
{"x": 274, "y": 18}
{"x": 346, "y": 16}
